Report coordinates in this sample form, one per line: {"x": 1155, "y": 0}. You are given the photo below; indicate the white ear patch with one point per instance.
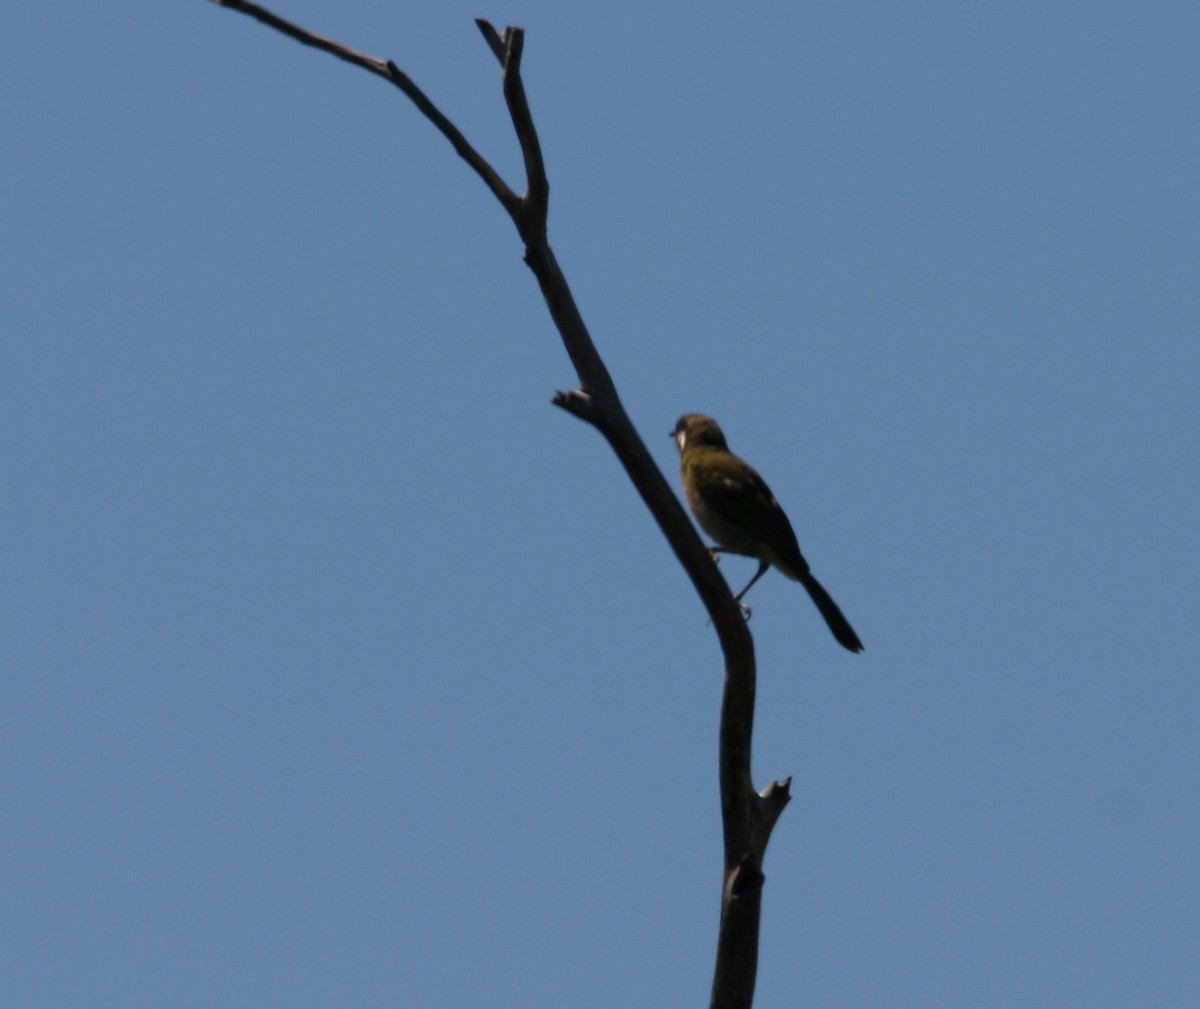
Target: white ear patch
{"x": 681, "y": 438}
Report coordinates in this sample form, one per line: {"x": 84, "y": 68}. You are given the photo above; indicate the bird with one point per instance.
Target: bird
{"x": 734, "y": 505}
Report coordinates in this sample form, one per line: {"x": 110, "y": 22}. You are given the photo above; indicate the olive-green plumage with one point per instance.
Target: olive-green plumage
{"x": 734, "y": 505}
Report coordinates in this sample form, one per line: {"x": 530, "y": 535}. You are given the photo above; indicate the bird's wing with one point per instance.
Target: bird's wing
{"x": 746, "y": 500}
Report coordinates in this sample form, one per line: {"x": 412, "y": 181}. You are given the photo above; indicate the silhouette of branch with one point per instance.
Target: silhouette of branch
{"x": 747, "y": 816}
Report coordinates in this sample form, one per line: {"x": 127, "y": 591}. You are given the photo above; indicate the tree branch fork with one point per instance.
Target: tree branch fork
{"x": 748, "y": 817}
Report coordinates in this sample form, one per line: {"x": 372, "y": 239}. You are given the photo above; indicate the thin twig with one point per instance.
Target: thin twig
{"x": 508, "y": 46}
{"x": 537, "y": 192}
{"x": 390, "y": 72}
{"x": 496, "y": 42}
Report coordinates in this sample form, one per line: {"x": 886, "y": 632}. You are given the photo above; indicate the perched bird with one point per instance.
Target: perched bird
{"x": 734, "y": 505}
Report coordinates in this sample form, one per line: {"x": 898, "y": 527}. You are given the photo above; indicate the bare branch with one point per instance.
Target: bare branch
{"x": 500, "y": 189}
{"x": 389, "y": 71}
{"x": 537, "y": 192}
{"x": 508, "y": 46}
{"x": 375, "y": 65}
{"x": 747, "y": 816}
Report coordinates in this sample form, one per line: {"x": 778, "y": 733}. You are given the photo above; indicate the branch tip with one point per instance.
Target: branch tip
{"x": 514, "y": 44}
{"x": 577, "y": 403}
{"x": 492, "y": 38}
{"x": 778, "y": 790}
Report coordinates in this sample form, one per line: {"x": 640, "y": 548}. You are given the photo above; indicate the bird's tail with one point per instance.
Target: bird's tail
{"x": 833, "y": 616}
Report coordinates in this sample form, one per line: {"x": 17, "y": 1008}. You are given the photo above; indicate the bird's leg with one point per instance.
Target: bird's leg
{"x": 715, "y": 554}
{"x": 762, "y": 570}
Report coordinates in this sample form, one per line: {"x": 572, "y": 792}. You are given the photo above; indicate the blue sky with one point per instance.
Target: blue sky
{"x": 339, "y": 668}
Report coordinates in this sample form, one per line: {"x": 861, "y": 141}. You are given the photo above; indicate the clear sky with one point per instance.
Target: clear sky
{"x": 338, "y": 668}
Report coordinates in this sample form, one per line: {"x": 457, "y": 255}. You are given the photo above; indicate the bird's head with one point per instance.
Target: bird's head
{"x": 694, "y": 429}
